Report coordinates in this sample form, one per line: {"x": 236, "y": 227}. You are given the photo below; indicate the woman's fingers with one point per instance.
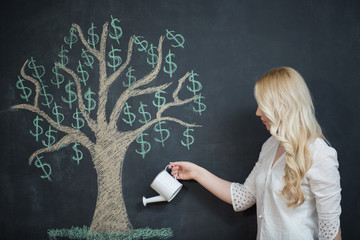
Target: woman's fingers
{"x": 181, "y": 169}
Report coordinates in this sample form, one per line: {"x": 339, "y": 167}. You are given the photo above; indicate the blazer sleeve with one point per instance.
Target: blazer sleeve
{"x": 324, "y": 179}
{"x": 243, "y": 196}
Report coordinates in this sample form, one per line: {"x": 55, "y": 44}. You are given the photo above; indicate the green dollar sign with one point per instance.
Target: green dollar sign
{"x": 72, "y": 97}
{"x": 117, "y": 29}
{"x": 48, "y": 97}
{"x": 116, "y": 60}
{"x": 143, "y": 44}
{"x": 164, "y": 133}
{"x": 93, "y": 37}
{"x": 145, "y": 146}
{"x": 84, "y": 74}
{"x": 131, "y": 116}
{"x": 59, "y": 78}
{"x": 38, "y": 128}
{"x": 178, "y": 38}
{"x": 160, "y": 99}
{"x": 38, "y": 70}
{"x": 50, "y": 138}
{"x": 41, "y": 165}
{"x": 78, "y": 154}
{"x": 59, "y": 116}
{"x": 172, "y": 66}
{"x": 146, "y": 115}
{"x": 63, "y": 58}
{"x": 89, "y": 60}
{"x": 196, "y": 85}
{"x": 131, "y": 78}
{"x": 26, "y": 91}
{"x": 79, "y": 121}
{"x": 72, "y": 38}
{"x": 153, "y": 58}
{"x": 189, "y": 138}
{"x": 200, "y": 106}
{"x": 91, "y": 103}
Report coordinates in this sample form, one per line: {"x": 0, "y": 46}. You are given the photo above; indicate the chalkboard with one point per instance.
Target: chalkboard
{"x": 123, "y": 122}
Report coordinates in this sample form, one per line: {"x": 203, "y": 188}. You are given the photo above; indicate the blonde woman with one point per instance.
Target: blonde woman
{"x": 295, "y": 182}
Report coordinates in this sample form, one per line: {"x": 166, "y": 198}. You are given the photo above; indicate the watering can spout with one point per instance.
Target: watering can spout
{"x": 153, "y": 199}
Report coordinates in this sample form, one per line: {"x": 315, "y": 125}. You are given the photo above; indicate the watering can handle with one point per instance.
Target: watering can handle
{"x": 167, "y": 168}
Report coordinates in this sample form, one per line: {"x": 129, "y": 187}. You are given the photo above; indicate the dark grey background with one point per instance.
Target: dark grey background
{"x": 230, "y": 44}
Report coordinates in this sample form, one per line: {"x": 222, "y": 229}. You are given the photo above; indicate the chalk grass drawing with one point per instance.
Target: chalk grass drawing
{"x": 91, "y": 109}
{"x": 84, "y": 233}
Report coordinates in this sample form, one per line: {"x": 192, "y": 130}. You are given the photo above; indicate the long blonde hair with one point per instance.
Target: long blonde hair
{"x": 284, "y": 98}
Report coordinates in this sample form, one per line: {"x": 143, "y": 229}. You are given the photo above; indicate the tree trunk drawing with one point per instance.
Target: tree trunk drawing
{"x": 110, "y": 212}
{"x": 109, "y": 149}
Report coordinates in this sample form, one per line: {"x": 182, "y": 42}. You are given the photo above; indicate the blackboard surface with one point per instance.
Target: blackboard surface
{"x": 229, "y": 44}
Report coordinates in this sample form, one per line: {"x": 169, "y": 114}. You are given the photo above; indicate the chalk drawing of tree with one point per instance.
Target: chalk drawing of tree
{"x": 111, "y": 144}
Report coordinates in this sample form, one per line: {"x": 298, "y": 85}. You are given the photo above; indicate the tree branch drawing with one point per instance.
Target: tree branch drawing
{"x": 111, "y": 144}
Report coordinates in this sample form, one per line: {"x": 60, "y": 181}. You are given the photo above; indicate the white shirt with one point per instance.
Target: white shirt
{"x": 317, "y": 218}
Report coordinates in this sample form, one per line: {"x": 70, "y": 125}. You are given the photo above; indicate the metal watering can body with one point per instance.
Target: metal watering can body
{"x": 166, "y": 185}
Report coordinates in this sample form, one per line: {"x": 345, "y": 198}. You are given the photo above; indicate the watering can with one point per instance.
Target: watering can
{"x": 165, "y": 185}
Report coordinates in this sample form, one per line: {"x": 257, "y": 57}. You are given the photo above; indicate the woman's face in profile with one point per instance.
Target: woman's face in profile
{"x": 263, "y": 118}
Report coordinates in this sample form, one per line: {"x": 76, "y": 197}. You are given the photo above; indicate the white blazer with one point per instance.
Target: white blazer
{"x": 317, "y": 218}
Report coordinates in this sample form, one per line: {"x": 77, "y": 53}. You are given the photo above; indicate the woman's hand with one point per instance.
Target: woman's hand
{"x": 184, "y": 170}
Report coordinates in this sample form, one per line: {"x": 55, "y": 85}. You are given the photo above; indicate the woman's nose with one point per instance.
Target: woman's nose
{"x": 258, "y": 112}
